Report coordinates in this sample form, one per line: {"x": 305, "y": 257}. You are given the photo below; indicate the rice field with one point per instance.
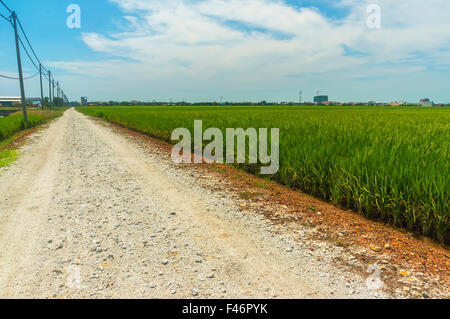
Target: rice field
{"x": 390, "y": 164}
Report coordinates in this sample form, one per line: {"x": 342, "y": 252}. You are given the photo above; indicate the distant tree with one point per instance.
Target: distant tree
{"x": 57, "y": 101}
{"x": 46, "y": 102}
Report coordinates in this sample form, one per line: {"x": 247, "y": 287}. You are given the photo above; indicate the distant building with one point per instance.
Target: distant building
{"x": 397, "y": 104}
{"x": 426, "y": 102}
{"x": 84, "y": 101}
{"x": 330, "y": 103}
{"x": 321, "y": 99}
{"x": 16, "y": 100}
{"x": 9, "y": 100}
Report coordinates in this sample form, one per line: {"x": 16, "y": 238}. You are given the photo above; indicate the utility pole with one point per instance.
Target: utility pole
{"x": 300, "y": 97}
{"x": 50, "y": 87}
{"x": 19, "y": 63}
{"x": 57, "y": 92}
{"x": 53, "y": 92}
{"x": 42, "y": 89}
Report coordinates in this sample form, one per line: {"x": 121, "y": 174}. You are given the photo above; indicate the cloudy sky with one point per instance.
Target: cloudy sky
{"x": 243, "y": 50}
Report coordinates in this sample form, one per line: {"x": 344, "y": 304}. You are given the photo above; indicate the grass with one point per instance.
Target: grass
{"x": 12, "y": 128}
{"x": 261, "y": 184}
{"x": 7, "y": 157}
{"x": 390, "y": 164}
{"x": 14, "y": 123}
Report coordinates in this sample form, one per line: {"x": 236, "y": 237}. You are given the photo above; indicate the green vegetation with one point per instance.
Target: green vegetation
{"x": 389, "y": 164}
{"x": 12, "y": 126}
{"x": 7, "y": 157}
{"x": 14, "y": 123}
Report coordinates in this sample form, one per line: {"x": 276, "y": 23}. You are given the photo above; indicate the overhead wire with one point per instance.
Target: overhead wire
{"x": 2, "y": 16}
{"x": 28, "y": 54}
{"x": 38, "y": 65}
{"x": 6, "y": 6}
{"x": 14, "y": 78}
{"x": 28, "y": 41}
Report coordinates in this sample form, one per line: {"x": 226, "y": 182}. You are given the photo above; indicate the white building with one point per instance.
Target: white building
{"x": 16, "y": 100}
{"x": 426, "y": 102}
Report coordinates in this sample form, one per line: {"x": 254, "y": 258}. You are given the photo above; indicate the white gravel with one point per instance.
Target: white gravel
{"x": 89, "y": 213}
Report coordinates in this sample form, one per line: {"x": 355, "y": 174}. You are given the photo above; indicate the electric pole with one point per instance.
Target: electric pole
{"x": 57, "y": 92}
{"x": 53, "y": 92}
{"x": 19, "y": 63}
{"x": 42, "y": 89}
{"x": 50, "y": 87}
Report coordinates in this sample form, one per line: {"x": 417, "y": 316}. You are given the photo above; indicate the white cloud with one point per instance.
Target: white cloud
{"x": 263, "y": 43}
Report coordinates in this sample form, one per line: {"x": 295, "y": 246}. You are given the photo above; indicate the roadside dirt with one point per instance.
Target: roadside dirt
{"x": 92, "y": 210}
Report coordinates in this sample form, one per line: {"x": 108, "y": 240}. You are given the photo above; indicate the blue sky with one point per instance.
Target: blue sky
{"x": 45, "y": 23}
{"x": 243, "y": 50}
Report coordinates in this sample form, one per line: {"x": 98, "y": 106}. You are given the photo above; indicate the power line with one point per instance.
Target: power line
{"x": 31, "y": 77}
{"x": 17, "y": 24}
{"x": 12, "y": 78}
{"x": 28, "y": 54}
{"x": 8, "y": 77}
{"x": 28, "y": 41}
{"x": 2, "y": 16}
{"x": 5, "y": 6}
{"x": 23, "y": 46}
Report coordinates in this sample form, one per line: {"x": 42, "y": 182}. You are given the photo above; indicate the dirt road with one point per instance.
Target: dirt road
{"x": 87, "y": 213}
